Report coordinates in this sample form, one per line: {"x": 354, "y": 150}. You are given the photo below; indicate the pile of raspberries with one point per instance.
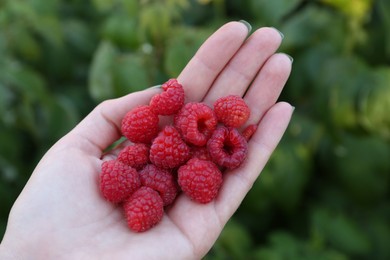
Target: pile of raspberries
{"x": 186, "y": 156}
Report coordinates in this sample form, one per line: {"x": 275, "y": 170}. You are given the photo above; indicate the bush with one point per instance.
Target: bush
{"x": 325, "y": 192}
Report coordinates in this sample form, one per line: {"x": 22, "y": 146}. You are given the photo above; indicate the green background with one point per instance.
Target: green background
{"x": 325, "y": 192}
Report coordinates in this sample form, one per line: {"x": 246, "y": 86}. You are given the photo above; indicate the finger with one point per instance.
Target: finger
{"x": 102, "y": 126}
{"x": 267, "y": 86}
{"x": 260, "y": 148}
{"x": 246, "y": 63}
{"x": 210, "y": 59}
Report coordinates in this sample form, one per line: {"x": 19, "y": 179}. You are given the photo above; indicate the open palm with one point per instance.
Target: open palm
{"x": 61, "y": 214}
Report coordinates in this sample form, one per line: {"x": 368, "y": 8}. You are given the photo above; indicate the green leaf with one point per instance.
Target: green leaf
{"x": 341, "y": 82}
{"x": 306, "y": 131}
{"x": 79, "y": 36}
{"x": 234, "y": 242}
{"x": 384, "y": 12}
{"x": 283, "y": 245}
{"x": 286, "y": 174}
{"x": 6, "y": 98}
{"x": 310, "y": 28}
{"x": 101, "y": 82}
{"x": 6, "y": 197}
{"x": 131, "y": 7}
{"x": 364, "y": 176}
{"x": 156, "y": 21}
{"x": 60, "y": 116}
{"x": 10, "y": 145}
{"x": 104, "y": 5}
{"x": 303, "y": 81}
{"x": 271, "y": 12}
{"x": 123, "y": 31}
{"x": 379, "y": 231}
{"x": 43, "y": 6}
{"x": 28, "y": 83}
{"x": 24, "y": 44}
{"x": 340, "y": 231}
{"x": 26, "y": 119}
{"x": 357, "y": 9}
{"x": 49, "y": 27}
{"x": 181, "y": 47}
{"x": 130, "y": 74}
{"x": 375, "y": 103}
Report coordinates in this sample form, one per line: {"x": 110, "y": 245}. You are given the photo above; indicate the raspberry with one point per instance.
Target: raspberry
{"x": 170, "y": 101}
{"x": 168, "y": 150}
{"x": 196, "y": 122}
{"x": 118, "y": 181}
{"x": 161, "y": 181}
{"x": 200, "y": 180}
{"x": 227, "y": 147}
{"x": 200, "y": 152}
{"x": 231, "y": 111}
{"x": 144, "y": 209}
{"x": 140, "y": 125}
{"x": 136, "y": 155}
{"x": 249, "y": 131}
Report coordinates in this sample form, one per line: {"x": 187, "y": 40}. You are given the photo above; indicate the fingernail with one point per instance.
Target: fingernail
{"x": 281, "y": 34}
{"x": 248, "y": 26}
{"x": 291, "y": 58}
{"x": 293, "y": 108}
{"x": 157, "y": 86}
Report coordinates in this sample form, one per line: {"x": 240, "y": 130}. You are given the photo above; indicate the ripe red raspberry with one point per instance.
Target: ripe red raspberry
{"x": 161, "y": 181}
{"x": 200, "y": 152}
{"x": 196, "y": 122}
{"x": 144, "y": 209}
{"x": 231, "y": 111}
{"x": 140, "y": 125}
{"x": 135, "y": 155}
{"x": 200, "y": 180}
{"x": 249, "y": 131}
{"x": 118, "y": 181}
{"x": 168, "y": 150}
{"x": 170, "y": 101}
{"x": 227, "y": 147}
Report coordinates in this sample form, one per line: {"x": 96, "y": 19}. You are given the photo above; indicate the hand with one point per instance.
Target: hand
{"x": 61, "y": 214}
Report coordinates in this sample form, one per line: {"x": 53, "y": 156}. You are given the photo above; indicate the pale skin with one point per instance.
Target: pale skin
{"x": 61, "y": 214}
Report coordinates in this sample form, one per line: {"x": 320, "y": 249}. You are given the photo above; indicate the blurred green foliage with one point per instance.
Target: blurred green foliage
{"x": 325, "y": 192}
